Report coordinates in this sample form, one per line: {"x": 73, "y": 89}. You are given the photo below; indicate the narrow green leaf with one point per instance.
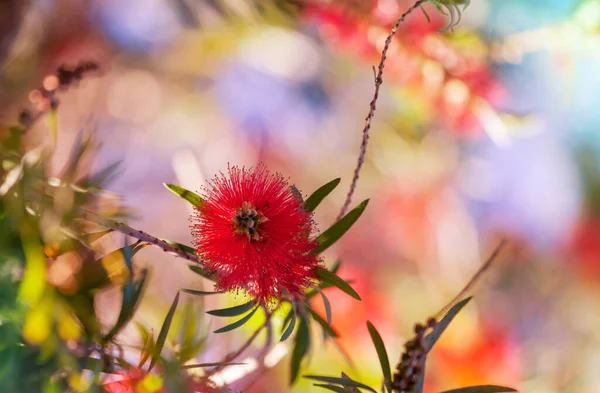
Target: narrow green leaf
{"x": 290, "y": 327}
{"x": 183, "y": 247}
{"x": 333, "y": 279}
{"x": 382, "y": 355}
{"x": 327, "y": 305}
{"x": 432, "y": 337}
{"x": 129, "y": 303}
{"x": 199, "y": 293}
{"x": 340, "y": 381}
{"x": 232, "y": 311}
{"x": 238, "y": 323}
{"x": 481, "y": 389}
{"x": 326, "y": 327}
{"x": 301, "y": 347}
{"x": 201, "y": 365}
{"x": 337, "y": 230}
{"x": 164, "y": 330}
{"x": 202, "y": 272}
{"x": 317, "y": 197}
{"x": 193, "y": 198}
{"x": 333, "y": 388}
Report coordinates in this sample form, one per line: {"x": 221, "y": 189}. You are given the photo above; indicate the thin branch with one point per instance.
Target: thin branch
{"x": 373, "y": 106}
{"x": 141, "y": 235}
{"x": 475, "y": 279}
{"x": 233, "y": 355}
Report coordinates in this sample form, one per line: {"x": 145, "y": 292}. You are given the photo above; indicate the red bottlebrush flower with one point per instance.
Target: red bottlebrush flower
{"x": 255, "y": 234}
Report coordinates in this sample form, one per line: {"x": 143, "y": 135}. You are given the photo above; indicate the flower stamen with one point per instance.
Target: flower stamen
{"x": 247, "y": 220}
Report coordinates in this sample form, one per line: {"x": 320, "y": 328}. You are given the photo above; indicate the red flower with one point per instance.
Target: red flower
{"x": 254, "y": 233}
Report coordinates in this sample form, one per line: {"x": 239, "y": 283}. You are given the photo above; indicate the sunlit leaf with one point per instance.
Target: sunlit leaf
{"x": 481, "y": 389}
{"x": 34, "y": 277}
{"x": 317, "y": 197}
{"x": 164, "y": 330}
{"x": 193, "y": 198}
{"x": 232, "y": 311}
{"x": 384, "y": 361}
{"x": 238, "y": 323}
{"x": 340, "y": 381}
{"x": 333, "y": 279}
{"x": 337, "y": 230}
{"x": 432, "y": 337}
{"x": 148, "y": 347}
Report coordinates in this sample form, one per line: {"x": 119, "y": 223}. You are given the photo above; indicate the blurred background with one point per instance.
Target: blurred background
{"x": 482, "y": 133}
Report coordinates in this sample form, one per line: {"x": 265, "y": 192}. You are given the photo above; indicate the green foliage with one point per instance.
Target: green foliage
{"x": 187, "y": 195}
{"x": 164, "y": 330}
{"x": 432, "y": 337}
{"x": 337, "y": 230}
{"x": 237, "y": 323}
{"x": 384, "y": 361}
{"x": 321, "y": 193}
{"x": 346, "y": 382}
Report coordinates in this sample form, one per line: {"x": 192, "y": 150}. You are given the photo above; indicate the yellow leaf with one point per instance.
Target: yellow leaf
{"x": 68, "y": 326}
{"x": 38, "y": 322}
{"x": 34, "y": 278}
{"x": 151, "y": 383}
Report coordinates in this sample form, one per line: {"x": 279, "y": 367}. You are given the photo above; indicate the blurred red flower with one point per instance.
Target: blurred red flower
{"x": 253, "y": 232}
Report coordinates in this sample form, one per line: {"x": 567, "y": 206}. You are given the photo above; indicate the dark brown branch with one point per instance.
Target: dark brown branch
{"x": 373, "y": 106}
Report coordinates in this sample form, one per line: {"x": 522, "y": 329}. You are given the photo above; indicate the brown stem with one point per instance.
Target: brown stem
{"x": 486, "y": 265}
{"x": 141, "y": 235}
{"x": 373, "y": 105}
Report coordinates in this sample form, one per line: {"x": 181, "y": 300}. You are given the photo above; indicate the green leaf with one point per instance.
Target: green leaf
{"x": 232, "y": 311}
{"x": 382, "y": 355}
{"x": 183, "y": 247}
{"x": 291, "y": 326}
{"x": 200, "y": 365}
{"x": 327, "y": 306}
{"x": 238, "y": 323}
{"x": 340, "y": 381}
{"x": 481, "y": 389}
{"x": 202, "y": 272}
{"x": 331, "y": 278}
{"x": 193, "y": 198}
{"x": 317, "y": 197}
{"x": 199, "y": 293}
{"x": 326, "y": 327}
{"x": 164, "y": 330}
{"x": 301, "y": 347}
{"x": 337, "y": 230}
{"x": 334, "y": 388}
{"x": 129, "y": 303}
{"x": 432, "y": 337}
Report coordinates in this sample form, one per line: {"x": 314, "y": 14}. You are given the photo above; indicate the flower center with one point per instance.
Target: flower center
{"x": 247, "y": 220}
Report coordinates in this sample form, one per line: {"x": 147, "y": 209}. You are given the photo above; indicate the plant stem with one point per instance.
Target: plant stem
{"x": 373, "y": 106}
{"x": 141, "y": 235}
